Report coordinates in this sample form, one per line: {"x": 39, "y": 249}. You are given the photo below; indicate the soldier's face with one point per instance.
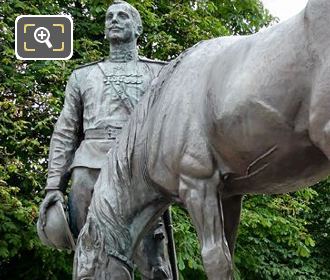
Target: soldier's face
{"x": 119, "y": 24}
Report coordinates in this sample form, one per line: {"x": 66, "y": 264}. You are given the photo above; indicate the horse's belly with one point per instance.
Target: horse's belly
{"x": 265, "y": 152}
{"x": 248, "y": 130}
{"x": 281, "y": 171}
{"x": 265, "y": 156}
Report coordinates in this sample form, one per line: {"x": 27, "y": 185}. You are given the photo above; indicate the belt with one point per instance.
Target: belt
{"x": 103, "y": 133}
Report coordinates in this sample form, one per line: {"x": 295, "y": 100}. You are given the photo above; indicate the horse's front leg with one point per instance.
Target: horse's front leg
{"x": 202, "y": 200}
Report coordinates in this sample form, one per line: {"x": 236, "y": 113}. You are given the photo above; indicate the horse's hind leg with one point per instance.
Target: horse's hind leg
{"x": 201, "y": 198}
{"x": 232, "y": 213}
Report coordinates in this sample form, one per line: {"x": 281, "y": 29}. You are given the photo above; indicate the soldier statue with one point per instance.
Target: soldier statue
{"x": 99, "y": 98}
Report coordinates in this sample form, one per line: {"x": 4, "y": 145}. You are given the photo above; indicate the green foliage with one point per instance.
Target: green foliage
{"x": 319, "y": 227}
{"x": 273, "y": 241}
{"x": 280, "y": 237}
{"x": 187, "y": 246}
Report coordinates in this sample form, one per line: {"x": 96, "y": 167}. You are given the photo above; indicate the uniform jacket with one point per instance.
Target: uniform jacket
{"x": 100, "y": 95}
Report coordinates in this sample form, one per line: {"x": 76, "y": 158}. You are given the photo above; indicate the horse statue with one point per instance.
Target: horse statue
{"x": 230, "y": 116}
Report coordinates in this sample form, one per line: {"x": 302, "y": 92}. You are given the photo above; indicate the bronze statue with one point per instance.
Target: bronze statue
{"x": 230, "y": 116}
{"x": 99, "y": 98}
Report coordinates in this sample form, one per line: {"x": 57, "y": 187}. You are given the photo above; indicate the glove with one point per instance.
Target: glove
{"x": 52, "y": 197}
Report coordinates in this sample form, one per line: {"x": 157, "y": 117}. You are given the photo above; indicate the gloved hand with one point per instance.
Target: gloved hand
{"x": 52, "y": 197}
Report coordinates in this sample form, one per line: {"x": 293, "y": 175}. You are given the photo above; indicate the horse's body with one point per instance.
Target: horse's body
{"x": 230, "y": 116}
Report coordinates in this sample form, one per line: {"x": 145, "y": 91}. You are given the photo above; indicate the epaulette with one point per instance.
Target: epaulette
{"x": 88, "y": 64}
{"x": 144, "y": 59}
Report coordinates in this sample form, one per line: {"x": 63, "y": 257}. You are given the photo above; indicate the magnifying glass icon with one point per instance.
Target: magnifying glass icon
{"x": 41, "y": 35}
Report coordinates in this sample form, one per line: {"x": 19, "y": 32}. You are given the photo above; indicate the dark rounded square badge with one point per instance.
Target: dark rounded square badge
{"x": 43, "y": 37}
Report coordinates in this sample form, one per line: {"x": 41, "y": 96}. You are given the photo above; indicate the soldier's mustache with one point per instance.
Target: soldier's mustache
{"x": 110, "y": 27}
